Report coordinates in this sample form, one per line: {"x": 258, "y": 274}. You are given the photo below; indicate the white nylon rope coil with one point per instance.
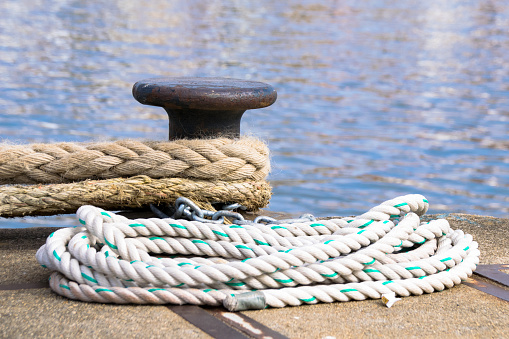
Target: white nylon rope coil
{"x": 387, "y": 249}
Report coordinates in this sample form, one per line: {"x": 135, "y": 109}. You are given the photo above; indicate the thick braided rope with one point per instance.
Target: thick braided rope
{"x": 387, "y": 249}
{"x": 120, "y": 193}
{"x": 210, "y": 159}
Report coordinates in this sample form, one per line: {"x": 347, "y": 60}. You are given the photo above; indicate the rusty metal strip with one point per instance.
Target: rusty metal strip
{"x": 494, "y": 272}
{"x": 245, "y": 324}
{"x": 11, "y": 287}
{"x": 206, "y": 322}
{"x": 489, "y": 288}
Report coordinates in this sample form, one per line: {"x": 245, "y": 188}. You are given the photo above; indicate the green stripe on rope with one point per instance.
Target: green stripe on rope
{"x": 261, "y": 242}
{"x": 208, "y": 290}
{"x": 369, "y": 263}
{"x": 402, "y": 204}
{"x": 236, "y": 226}
{"x": 156, "y": 289}
{"x": 421, "y": 242}
{"x": 56, "y": 255}
{"x": 106, "y": 214}
{"x": 348, "y": 290}
{"x": 361, "y": 231}
{"x": 387, "y": 282}
{"x": 366, "y": 224}
{"x": 446, "y": 259}
{"x": 244, "y": 247}
{"x": 283, "y": 281}
{"x": 328, "y": 241}
{"x": 65, "y": 286}
{"x": 466, "y": 248}
{"x": 399, "y": 244}
{"x": 196, "y": 241}
{"x": 178, "y": 226}
{"x": 103, "y": 290}
{"x": 82, "y": 222}
{"x": 89, "y": 278}
{"x": 234, "y": 283}
{"x": 308, "y": 300}
{"x": 413, "y": 268}
{"x": 184, "y": 263}
{"x": 330, "y": 275}
{"x": 137, "y": 225}
{"x": 426, "y": 201}
{"x": 276, "y": 227}
{"x": 156, "y": 238}
{"x": 110, "y": 244}
{"x": 221, "y": 233}
{"x": 371, "y": 270}
{"x": 316, "y": 225}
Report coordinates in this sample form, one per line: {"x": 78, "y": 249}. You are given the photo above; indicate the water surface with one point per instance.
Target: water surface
{"x": 375, "y": 98}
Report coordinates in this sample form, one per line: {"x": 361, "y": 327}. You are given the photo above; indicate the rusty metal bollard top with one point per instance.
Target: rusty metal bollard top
{"x": 204, "y": 107}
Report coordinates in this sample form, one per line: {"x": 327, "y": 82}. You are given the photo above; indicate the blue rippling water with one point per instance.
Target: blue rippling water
{"x": 375, "y": 98}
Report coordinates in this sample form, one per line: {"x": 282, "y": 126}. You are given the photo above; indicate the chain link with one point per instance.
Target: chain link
{"x": 185, "y": 208}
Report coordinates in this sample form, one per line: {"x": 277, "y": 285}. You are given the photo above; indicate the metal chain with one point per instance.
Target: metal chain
{"x": 185, "y": 208}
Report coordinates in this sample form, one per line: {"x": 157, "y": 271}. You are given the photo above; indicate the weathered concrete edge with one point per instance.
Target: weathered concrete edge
{"x": 43, "y": 232}
{"x": 21, "y": 233}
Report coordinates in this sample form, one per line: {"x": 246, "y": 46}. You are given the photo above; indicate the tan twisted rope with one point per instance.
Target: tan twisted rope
{"x": 135, "y": 174}
{"x": 122, "y": 193}
{"x": 214, "y": 159}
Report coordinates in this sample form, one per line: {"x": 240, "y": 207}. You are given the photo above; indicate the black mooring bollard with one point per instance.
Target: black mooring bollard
{"x": 204, "y": 107}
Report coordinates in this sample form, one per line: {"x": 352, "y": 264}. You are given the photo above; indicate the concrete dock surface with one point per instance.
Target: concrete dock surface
{"x": 28, "y": 308}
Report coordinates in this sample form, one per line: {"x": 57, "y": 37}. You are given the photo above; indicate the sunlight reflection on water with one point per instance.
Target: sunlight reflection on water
{"x": 375, "y": 98}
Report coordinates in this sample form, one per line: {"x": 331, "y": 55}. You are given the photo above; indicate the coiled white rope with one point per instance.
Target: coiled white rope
{"x": 387, "y": 249}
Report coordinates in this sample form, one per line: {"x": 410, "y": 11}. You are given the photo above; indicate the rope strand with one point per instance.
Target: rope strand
{"x": 120, "y": 193}
{"x": 204, "y": 159}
